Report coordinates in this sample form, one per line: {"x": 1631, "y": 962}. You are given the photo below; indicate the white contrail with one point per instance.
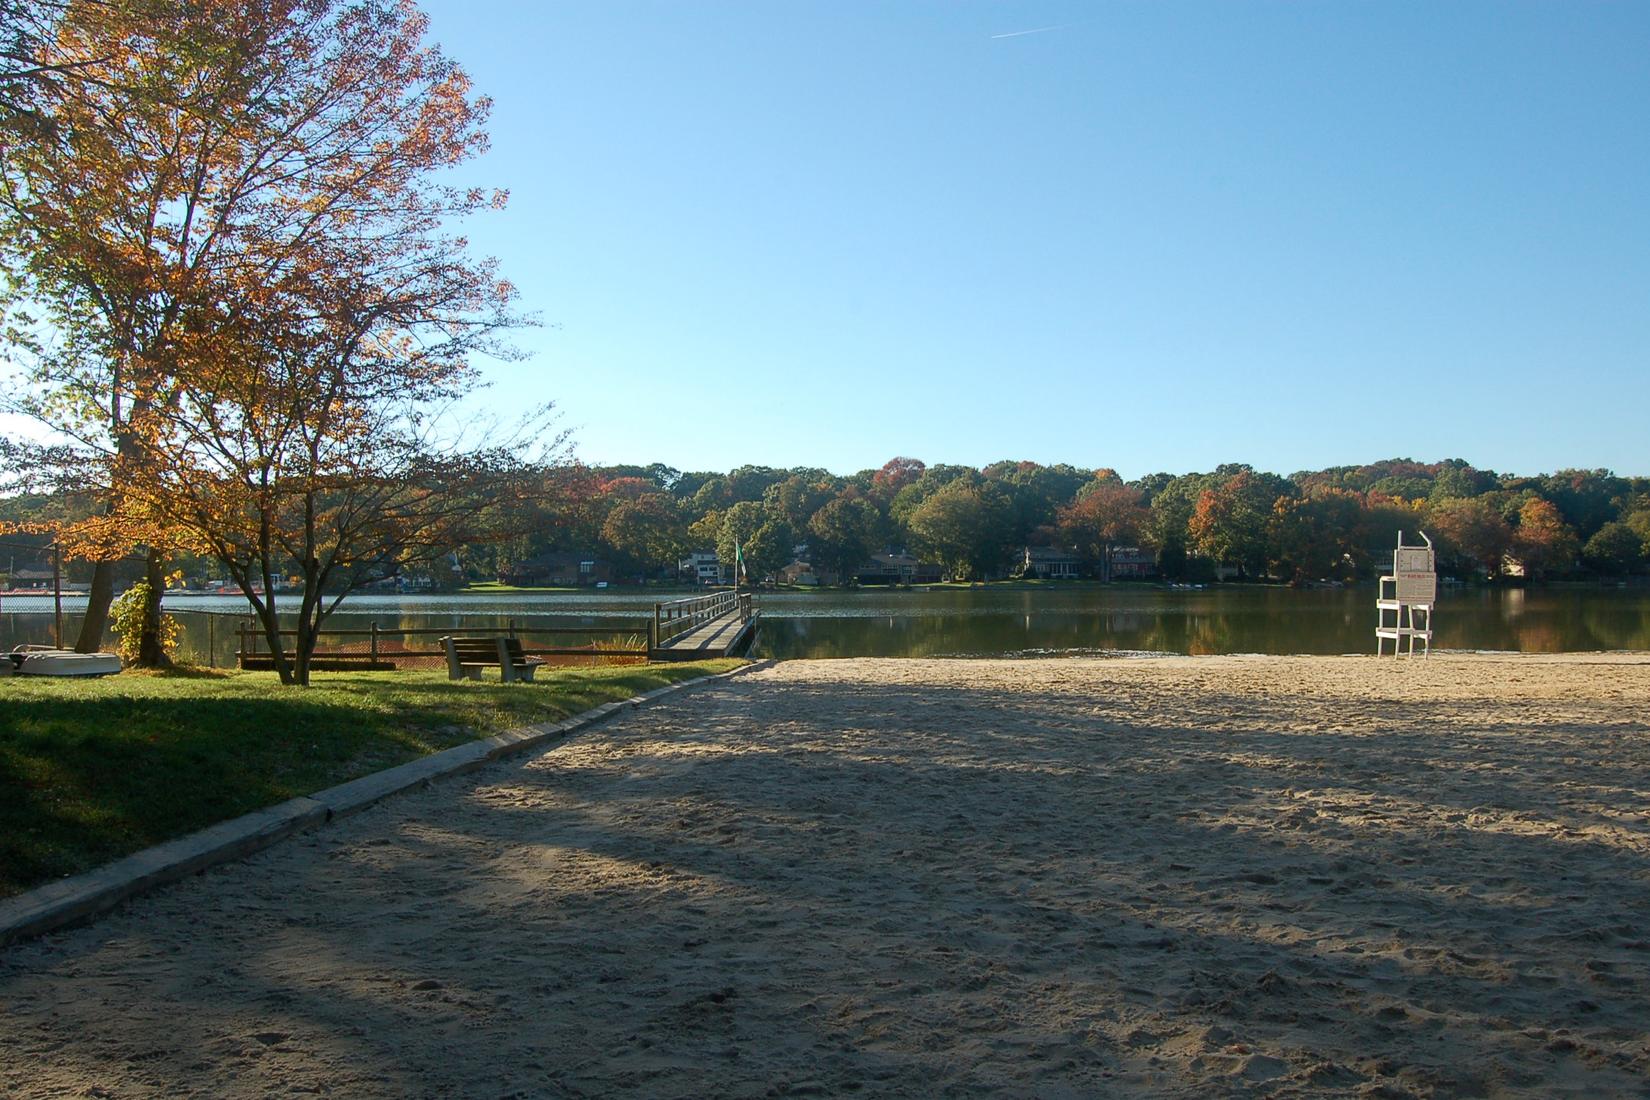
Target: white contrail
{"x": 1034, "y": 30}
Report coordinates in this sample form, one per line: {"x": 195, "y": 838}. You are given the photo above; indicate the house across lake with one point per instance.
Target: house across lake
{"x": 558, "y": 570}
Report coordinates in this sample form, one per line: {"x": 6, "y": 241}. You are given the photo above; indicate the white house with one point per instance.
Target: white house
{"x": 704, "y": 568}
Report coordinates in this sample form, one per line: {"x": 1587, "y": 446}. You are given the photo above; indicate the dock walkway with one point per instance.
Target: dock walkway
{"x": 701, "y": 627}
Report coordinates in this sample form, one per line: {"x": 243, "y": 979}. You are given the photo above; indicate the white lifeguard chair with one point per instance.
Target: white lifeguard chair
{"x": 1407, "y": 596}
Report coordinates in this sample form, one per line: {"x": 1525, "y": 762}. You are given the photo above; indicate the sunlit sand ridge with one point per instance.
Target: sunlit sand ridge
{"x": 1184, "y": 876}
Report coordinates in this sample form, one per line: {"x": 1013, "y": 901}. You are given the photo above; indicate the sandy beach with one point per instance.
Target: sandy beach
{"x": 1223, "y": 876}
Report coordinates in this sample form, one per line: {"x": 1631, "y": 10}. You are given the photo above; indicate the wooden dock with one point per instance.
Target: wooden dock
{"x": 699, "y": 627}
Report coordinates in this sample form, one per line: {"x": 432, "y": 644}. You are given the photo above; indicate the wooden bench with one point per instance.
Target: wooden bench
{"x": 466, "y": 657}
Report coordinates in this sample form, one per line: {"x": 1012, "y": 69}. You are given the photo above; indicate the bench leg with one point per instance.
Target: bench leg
{"x": 455, "y": 671}
{"x": 506, "y": 670}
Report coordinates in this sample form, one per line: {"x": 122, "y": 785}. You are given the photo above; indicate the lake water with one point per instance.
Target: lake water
{"x": 1051, "y": 620}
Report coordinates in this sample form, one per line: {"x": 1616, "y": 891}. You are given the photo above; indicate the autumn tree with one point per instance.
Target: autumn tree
{"x": 1473, "y": 533}
{"x": 223, "y": 164}
{"x": 260, "y": 296}
{"x": 615, "y": 489}
{"x": 336, "y": 478}
{"x": 1169, "y": 516}
{"x": 1314, "y": 537}
{"x": 1229, "y": 522}
{"x": 1543, "y": 541}
{"x": 894, "y": 475}
{"x": 32, "y": 70}
{"x": 566, "y": 513}
{"x": 1380, "y": 522}
{"x": 1106, "y": 514}
{"x": 108, "y": 197}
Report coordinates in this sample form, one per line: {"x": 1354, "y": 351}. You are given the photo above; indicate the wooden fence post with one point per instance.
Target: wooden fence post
{"x": 373, "y": 657}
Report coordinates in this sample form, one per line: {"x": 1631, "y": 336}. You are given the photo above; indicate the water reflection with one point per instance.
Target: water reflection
{"x": 1135, "y": 620}
{"x": 982, "y": 622}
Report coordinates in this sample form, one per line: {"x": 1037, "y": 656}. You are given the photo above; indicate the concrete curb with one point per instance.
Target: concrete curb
{"x": 83, "y": 897}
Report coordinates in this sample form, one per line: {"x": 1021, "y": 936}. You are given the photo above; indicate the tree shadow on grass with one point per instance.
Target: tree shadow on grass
{"x": 95, "y": 772}
{"x": 93, "y": 780}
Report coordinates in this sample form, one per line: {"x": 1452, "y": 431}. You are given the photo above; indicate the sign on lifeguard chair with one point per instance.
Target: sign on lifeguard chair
{"x": 1408, "y": 595}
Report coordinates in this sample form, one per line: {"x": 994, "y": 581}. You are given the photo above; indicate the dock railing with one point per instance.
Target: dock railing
{"x": 677, "y": 617}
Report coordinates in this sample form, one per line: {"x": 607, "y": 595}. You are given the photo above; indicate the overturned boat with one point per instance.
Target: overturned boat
{"x": 30, "y": 660}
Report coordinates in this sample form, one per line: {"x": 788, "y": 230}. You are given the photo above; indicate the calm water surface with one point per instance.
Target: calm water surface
{"x": 987, "y": 621}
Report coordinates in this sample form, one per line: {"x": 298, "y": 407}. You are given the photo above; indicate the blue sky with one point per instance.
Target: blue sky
{"x": 1158, "y": 236}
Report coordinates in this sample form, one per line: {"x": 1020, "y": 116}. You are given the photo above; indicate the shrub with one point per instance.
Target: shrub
{"x": 126, "y": 620}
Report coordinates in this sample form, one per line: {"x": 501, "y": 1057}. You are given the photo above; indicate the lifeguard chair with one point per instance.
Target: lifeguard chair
{"x": 1407, "y": 596}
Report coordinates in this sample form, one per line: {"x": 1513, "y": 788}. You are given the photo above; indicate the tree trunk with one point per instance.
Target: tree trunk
{"x": 102, "y": 594}
{"x": 151, "y": 643}
{"x": 270, "y": 621}
{"x": 303, "y": 651}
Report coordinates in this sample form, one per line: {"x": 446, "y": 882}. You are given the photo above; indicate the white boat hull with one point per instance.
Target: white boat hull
{"x": 62, "y": 662}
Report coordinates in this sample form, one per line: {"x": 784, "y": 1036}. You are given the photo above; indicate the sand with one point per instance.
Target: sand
{"x": 1230, "y": 876}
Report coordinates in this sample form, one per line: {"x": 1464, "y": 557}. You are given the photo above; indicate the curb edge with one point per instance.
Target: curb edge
{"x": 81, "y": 898}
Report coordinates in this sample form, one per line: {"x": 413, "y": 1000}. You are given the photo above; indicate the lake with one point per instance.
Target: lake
{"x": 944, "y": 622}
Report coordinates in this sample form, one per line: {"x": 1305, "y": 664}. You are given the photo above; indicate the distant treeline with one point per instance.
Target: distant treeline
{"x": 1334, "y": 524}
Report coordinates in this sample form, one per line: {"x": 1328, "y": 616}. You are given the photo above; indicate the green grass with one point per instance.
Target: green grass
{"x": 92, "y": 770}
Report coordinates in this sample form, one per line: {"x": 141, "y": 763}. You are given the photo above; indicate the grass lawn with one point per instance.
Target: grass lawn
{"x": 92, "y": 770}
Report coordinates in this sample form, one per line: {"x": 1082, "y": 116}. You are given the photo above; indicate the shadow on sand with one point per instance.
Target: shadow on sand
{"x": 783, "y": 887}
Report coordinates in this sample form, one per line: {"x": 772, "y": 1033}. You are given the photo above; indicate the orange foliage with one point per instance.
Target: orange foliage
{"x": 241, "y": 234}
